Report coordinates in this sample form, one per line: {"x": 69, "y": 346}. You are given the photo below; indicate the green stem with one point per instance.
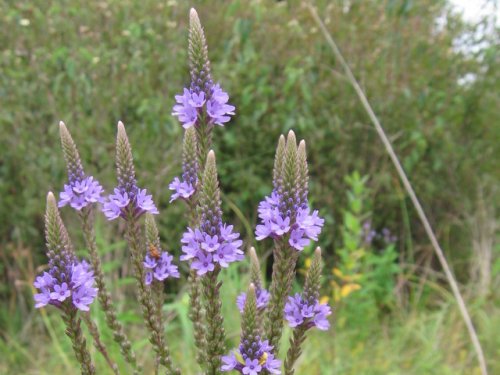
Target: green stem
{"x": 215, "y": 334}
{"x": 285, "y": 259}
{"x": 197, "y": 316}
{"x": 149, "y": 307}
{"x": 294, "y": 352}
{"x": 87, "y": 218}
{"x": 74, "y": 332}
{"x": 94, "y": 332}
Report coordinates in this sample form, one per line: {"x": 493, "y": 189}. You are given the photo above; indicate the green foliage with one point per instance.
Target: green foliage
{"x": 364, "y": 276}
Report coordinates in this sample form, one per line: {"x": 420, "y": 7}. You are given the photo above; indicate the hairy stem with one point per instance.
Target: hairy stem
{"x": 87, "y": 218}
{"x": 294, "y": 352}
{"x": 215, "y": 334}
{"x": 74, "y": 332}
{"x": 145, "y": 296}
{"x": 285, "y": 259}
{"x": 94, "y": 332}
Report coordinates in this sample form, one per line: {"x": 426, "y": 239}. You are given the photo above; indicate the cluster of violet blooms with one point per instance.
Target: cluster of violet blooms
{"x": 208, "y": 245}
{"x": 75, "y": 282}
{"x": 194, "y": 105}
{"x": 277, "y": 222}
{"x": 208, "y": 248}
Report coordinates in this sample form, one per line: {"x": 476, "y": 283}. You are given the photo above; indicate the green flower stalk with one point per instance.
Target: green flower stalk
{"x": 254, "y": 354}
{"x": 199, "y": 64}
{"x": 94, "y": 332}
{"x": 199, "y": 108}
{"x": 59, "y": 287}
{"x": 130, "y": 202}
{"x": 86, "y": 214}
{"x": 210, "y": 215}
{"x": 286, "y": 218}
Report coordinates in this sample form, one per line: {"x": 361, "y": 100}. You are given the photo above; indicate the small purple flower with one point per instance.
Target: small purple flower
{"x": 280, "y": 225}
{"x": 264, "y": 230}
{"x": 44, "y": 281}
{"x": 79, "y": 193}
{"x": 42, "y": 299}
{"x": 197, "y": 99}
{"x": 182, "y": 190}
{"x": 160, "y": 267}
{"x": 203, "y": 263}
{"x": 252, "y": 367}
{"x": 60, "y": 293}
{"x": 210, "y": 244}
{"x": 297, "y": 239}
{"x": 122, "y": 203}
{"x": 299, "y": 312}
{"x": 230, "y": 362}
{"x": 184, "y": 110}
{"x": 83, "y": 297}
{"x": 272, "y": 364}
{"x": 262, "y": 299}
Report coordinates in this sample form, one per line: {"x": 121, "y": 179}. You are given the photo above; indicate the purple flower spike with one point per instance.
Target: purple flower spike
{"x": 206, "y": 250}
{"x": 192, "y": 105}
{"x": 259, "y": 359}
{"x": 122, "y": 203}
{"x": 299, "y": 230}
{"x": 79, "y": 193}
{"x": 182, "y": 190}
{"x": 298, "y": 312}
{"x": 159, "y": 266}
{"x": 74, "y": 283}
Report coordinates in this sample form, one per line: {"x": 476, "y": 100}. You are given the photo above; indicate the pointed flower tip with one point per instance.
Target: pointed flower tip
{"x": 62, "y": 125}
{"x": 121, "y": 126}
{"x": 251, "y": 288}
{"x": 211, "y": 155}
{"x": 193, "y": 13}
{"x": 291, "y": 134}
{"x": 51, "y": 200}
{"x": 252, "y": 252}
{"x": 302, "y": 144}
{"x": 317, "y": 252}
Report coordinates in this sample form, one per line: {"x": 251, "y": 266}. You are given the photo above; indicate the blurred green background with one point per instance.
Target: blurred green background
{"x": 432, "y": 79}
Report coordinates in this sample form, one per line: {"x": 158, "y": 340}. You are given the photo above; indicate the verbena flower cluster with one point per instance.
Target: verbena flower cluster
{"x": 79, "y": 193}
{"x": 74, "y": 283}
{"x": 194, "y": 105}
{"x": 159, "y": 266}
{"x": 181, "y": 189}
{"x": 220, "y": 246}
{"x": 262, "y": 299}
{"x": 135, "y": 201}
{"x": 276, "y": 223}
{"x": 252, "y": 359}
{"x": 208, "y": 244}
{"x": 300, "y": 312}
